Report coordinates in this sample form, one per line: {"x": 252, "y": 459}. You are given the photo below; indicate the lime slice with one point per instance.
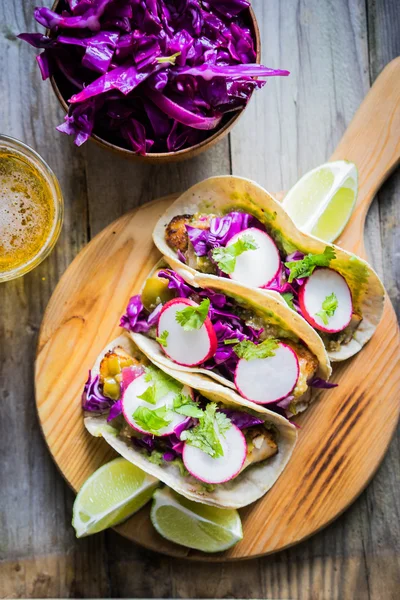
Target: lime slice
{"x": 194, "y": 525}
{"x": 322, "y": 201}
{"x": 112, "y": 494}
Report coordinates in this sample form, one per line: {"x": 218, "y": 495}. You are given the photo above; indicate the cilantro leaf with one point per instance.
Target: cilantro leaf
{"x": 288, "y": 298}
{"x": 193, "y": 317}
{"x": 305, "y": 267}
{"x": 162, "y": 340}
{"x": 206, "y": 435}
{"x": 152, "y": 420}
{"x": 329, "y": 307}
{"x": 223, "y": 422}
{"x": 249, "y": 351}
{"x": 149, "y": 395}
{"x": 162, "y": 382}
{"x": 231, "y": 341}
{"x": 184, "y": 405}
{"x": 226, "y": 257}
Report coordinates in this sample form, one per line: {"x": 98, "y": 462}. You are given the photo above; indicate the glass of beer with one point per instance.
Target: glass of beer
{"x": 31, "y": 209}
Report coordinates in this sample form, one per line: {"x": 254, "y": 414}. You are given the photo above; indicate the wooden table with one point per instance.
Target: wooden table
{"x": 334, "y": 50}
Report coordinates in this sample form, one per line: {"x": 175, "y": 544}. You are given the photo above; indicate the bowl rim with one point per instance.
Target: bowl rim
{"x": 178, "y": 154}
{"x": 20, "y": 148}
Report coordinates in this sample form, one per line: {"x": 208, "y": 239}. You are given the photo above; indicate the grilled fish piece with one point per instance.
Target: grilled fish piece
{"x": 176, "y": 235}
{"x": 261, "y": 445}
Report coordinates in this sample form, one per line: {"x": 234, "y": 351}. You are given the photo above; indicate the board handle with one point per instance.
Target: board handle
{"x": 372, "y": 142}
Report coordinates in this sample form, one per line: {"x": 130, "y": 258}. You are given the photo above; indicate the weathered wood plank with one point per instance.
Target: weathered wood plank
{"x": 281, "y": 137}
{"x": 294, "y": 125}
{"x": 384, "y": 45}
{"x": 117, "y": 185}
{"x": 382, "y": 548}
{"x": 39, "y": 554}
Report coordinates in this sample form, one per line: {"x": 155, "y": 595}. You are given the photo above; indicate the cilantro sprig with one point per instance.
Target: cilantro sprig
{"x": 162, "y": 340}
{"x": 206, "y": 435}
{"x": 305, "y": 267}
{"x": 149, "y": 395}
{"x": 160, "y": 385}
{"x": 329, "y": 307}
{"x": 225, "y": 257}
{"x": 193, "y": 317}
{"x": 249, "y": 351}
{"x": 288, "y": 298}
{"x": 152, "y": 420}
{"x": 184, "y": 405}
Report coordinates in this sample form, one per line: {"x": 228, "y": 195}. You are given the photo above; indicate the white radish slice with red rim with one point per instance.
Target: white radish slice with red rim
{"x": 256, "y": 268}
{"x": 186, "y": 348}
{"x": 131, "y": 401}
{"x": 321, "y": 284}
{"x": 217, "y": 470}
{"x": 267, "y": 380}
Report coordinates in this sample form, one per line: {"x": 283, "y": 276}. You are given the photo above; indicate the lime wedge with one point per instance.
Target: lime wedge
{"x": 112, "y": 494}
{"x": 322, "y": 201}
{"x": 194, "y": 525}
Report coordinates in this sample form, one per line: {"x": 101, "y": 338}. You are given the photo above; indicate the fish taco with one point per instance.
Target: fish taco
{"x": 239, "y": 337}
{"x": 192, "y": 434}
{"x": 230, "y": 227}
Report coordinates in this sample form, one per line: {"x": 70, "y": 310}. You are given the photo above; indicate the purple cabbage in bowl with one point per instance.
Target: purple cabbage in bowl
{"x": 149, "y": 75}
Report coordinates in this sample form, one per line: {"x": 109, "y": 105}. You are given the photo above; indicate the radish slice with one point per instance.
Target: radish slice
{"x": 186, "y": 348}
{"x": 259, "y": 267}
{"x": 221, "y": 469}
{"x": 321, "y": 284}
{"x": 266, "y": 380}
{"x": 131, "y": 401}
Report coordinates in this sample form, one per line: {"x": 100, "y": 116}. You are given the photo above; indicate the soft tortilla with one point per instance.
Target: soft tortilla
{"x": 249, "y": 486}
{"x": 270, "y": 308}
{"x": 223, "y": 194}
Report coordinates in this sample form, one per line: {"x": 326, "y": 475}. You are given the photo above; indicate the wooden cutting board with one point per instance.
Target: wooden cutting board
{"x": 343, "y": 436}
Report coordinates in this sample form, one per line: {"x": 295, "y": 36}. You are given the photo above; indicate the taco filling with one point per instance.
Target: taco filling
{"x": 171, "y": 423}
{"x": 255, "y": 351}
{"x": 239, "y": 246}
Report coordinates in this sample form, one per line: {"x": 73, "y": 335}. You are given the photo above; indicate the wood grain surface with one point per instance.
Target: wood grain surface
{"x": 338, "y": 451}
{"x": 334, "y": 50}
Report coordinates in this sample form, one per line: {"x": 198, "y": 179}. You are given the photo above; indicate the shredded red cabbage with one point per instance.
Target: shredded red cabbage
{"x": 199, "y": 239}
{"x": 115, "y": 410}
{"x": 186, "y": 424}
{"x": 297, "y": 255}
{"x": 221, "y": 230}
{"x": 284, "y": 404}
{"x": 169, "y": 456}
{"x": 99, "y": 49}
{"x": 170, "y": 445}
{"x": 146, "y": 441}
{"x": 241, "y": 419}
{"x": 92, "y": 397}
{"x": 280, "y": 283}
{"x": 136, "y": 318}
{"x": 322, "y": 384}
{"x": 227, "y": 324}
{"x": 177, "y": 67}
{"x": 176, "y": 283}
